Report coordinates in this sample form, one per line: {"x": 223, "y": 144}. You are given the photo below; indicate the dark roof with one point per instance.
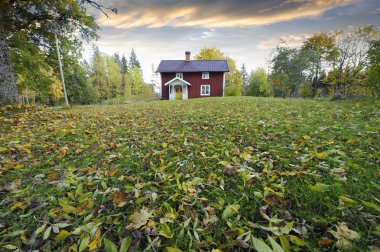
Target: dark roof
{"x": 183, "y": 66}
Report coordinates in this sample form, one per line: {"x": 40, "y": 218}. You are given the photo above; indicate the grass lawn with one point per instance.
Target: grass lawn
{"x": 220, "y": 173}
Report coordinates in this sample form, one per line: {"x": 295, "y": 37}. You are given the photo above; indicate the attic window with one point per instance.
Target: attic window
{"x": 205, "y": 90}
{"x": 205, "y": 75}
{"x": 179, "y": 75}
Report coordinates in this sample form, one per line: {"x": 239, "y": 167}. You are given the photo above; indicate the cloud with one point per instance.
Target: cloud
{"x": 291, "y": 40}
{"x": 213, "y": 13}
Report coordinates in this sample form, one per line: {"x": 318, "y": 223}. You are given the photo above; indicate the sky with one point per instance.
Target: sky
{"x": 245, "y": 30}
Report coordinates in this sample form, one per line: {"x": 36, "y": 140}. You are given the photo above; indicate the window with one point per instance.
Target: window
{"x": 205, "y": 76}
{"x": 205, "y": 90}
{"x": 179, "y": 75}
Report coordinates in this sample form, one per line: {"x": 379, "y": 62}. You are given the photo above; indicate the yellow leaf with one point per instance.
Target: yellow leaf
{"x": 224, "y": 163}
{"x": 139, "y": 219}
{"x": 346, "y": 199}
{"x": 62, "y": 235}
{"x": 172, "y": 249}
{"x": 306, "y": 137}
{"x": 95, "y": 241}
{"x": 17, "y": 205}
{"x": 19, "y": 166}
{"x": 330, "y": 142}
{"x": 321, "y": 155}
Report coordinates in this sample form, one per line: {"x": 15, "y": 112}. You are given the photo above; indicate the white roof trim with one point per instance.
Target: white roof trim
{"x": 175, "y": 79}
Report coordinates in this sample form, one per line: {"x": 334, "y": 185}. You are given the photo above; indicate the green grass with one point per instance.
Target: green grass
{"x": 203, "y": 174}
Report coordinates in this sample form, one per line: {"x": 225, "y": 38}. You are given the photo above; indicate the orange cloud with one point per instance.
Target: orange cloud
{"x": 215, "y": 14}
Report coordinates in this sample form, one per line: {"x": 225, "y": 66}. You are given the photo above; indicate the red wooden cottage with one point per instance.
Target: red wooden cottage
{"x": 186, "y": 79}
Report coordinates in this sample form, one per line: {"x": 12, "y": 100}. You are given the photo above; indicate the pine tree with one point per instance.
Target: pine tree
{"x": 244, "y": 76}
{"x": 133, "y": 61}
{"x": 124, "y": 65}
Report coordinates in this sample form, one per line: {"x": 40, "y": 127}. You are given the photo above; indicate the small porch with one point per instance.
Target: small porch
{"x": 178, "y": 89}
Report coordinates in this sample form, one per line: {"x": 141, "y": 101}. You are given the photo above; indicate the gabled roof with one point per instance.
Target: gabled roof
{"x": 177, "y": 81}
{"x": 183, "y": 66}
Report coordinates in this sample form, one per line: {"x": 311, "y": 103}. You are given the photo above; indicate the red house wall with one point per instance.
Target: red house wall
{"x": 195, "y": 79}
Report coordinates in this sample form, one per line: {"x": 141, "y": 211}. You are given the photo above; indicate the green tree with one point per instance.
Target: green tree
{"x": 124, "y": 65}
{"x": 348, "y": 73}
{"x": 293, "y": 63}
{"x": 134, "y": 81}
{"x": 38, "y": 20}
{"x": 133, "y": 61}
{"x": 258, "y": 84}
{"x": 78, "y": 89}
{"x": 373, "y": 74}
{"x": 33, "y": 74}
{"x": 106, "y": 77}
{"x": 233, "y": 78}
{"x": 244, "y": 76}
{"x": 279, "y": 82}
{"x": 325, "y": 52}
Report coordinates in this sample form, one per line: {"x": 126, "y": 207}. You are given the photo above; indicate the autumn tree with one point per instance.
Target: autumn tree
{"x": 348, "y": 73}
{"x": 233, "y": 78}
{"x": 325, "y": 52}
{"x": 38, "y": 20}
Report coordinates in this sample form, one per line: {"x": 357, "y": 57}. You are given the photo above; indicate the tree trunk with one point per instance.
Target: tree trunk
{"x": 8, "y": 86}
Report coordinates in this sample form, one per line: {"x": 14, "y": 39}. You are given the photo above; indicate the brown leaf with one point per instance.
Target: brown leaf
{"x": 118, "y": 197}
{"x": 111, "y": 172}
{"x": 325, "y": 242}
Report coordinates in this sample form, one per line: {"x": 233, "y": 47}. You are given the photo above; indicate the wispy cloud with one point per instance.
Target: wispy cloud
{"x": 214, "y": 13}
{"x": 291, "y": 40}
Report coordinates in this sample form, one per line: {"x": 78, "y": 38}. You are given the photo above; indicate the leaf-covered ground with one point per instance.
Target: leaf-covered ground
{"x": 221, "y": 173}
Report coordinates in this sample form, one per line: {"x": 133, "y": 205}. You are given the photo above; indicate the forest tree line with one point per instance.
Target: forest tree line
{"x": 102, "y": 78}
{"x": 338, "y": 64}
{"x": 342, "y": 64}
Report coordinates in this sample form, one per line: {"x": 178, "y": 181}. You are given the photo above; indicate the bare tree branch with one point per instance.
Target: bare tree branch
{"x": 100, "y": 7}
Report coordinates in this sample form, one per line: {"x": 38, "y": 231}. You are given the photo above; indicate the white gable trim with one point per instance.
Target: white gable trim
{"x": 179, "y": 80}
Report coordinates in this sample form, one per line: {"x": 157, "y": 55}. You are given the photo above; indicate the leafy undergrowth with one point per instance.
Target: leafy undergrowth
{"x": 220, "y": 174}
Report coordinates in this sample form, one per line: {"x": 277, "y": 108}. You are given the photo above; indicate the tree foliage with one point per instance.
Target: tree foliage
{"x": 110, "y": 77}
{"x": 233, "y": 78}
{"x": 36, "y": 22}
{"x": 258, "y": 84}
{"x": 336, "y": 63}
{"x": 373, "y": 78}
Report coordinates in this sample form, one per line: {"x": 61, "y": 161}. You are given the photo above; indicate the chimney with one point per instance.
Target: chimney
{"x": 187, "y": 55}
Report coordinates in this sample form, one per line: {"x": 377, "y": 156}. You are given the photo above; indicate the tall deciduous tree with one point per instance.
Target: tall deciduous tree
{"x": 233, "y": 78}
{"x": 348, "y": 68}
{"x": 293, "y": 63}
{"x": 258, "y": 84}
{"x": 38, "y": 20}
{"x": 373, "y": 78}
{"x": 325, "y": 50}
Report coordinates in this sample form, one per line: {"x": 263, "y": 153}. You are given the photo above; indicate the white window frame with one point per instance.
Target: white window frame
{"x": 179, "y": 75}
{"x": 207, "y": 87}
{"x": 205, "y": 76}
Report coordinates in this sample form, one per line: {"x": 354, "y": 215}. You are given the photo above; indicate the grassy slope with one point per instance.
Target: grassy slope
{"x": 205, "y": 173}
